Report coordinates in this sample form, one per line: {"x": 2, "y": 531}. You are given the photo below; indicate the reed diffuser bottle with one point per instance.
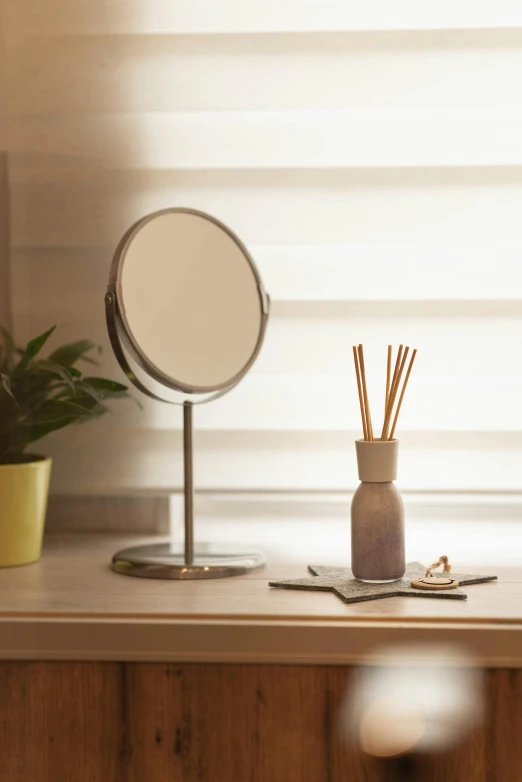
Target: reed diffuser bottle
{"x": 377, "y": 514}
{"x": 377, "y": 511}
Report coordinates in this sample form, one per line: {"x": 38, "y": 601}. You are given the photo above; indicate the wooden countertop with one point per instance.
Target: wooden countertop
{"x": 70, "y": 605}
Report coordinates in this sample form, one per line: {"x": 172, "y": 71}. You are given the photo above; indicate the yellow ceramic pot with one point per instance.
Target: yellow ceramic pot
{"x": 23, "y": 503}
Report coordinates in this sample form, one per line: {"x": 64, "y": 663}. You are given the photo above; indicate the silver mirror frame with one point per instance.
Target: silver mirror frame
{"x": 119, "y": 327}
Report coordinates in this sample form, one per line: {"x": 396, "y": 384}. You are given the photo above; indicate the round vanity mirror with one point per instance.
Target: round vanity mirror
{"x": 186, "y": 309}
{"x": 191, "y": 308}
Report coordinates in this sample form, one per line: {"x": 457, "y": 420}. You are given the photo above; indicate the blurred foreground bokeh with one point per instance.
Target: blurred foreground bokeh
{"x": 413, "y": 699}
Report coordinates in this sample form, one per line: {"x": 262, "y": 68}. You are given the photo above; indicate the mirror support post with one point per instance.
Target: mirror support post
{"x": 160, "y": 561}
{"x": 188, "y": 483}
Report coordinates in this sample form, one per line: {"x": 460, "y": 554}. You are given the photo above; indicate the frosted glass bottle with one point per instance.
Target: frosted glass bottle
{"x": 377, "y": 514}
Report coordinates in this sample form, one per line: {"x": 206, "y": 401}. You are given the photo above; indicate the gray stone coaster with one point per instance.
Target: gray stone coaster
{"x": 341, "y": 582}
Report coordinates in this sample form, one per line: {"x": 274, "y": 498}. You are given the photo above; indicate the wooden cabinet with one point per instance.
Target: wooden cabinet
{"x": 152, "y": 722}
{"x": 112, "y": 679}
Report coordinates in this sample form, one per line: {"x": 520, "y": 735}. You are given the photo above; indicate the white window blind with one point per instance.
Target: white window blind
{"x": 369, "y": 154}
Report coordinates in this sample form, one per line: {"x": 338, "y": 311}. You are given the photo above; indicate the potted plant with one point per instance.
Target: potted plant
{"x": 38, "y": 396}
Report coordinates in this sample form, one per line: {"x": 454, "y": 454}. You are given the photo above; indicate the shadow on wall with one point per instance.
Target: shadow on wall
{"x": 5, "y": 311}
{"x": 73, "y": 191}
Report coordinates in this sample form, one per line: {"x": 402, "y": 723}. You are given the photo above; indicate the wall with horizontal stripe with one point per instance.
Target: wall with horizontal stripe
{"x": 369, "y": 156}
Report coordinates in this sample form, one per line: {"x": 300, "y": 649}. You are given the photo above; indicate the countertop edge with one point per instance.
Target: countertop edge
{"x": 301, "y": 643}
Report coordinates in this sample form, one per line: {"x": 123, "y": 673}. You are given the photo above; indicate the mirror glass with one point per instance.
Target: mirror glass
{"x": 191, "y": 300}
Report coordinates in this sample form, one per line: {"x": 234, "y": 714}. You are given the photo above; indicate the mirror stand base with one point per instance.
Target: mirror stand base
{"x": 162, "y": 560}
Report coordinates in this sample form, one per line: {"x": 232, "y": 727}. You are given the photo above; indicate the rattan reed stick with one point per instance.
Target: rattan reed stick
{"x": 359, "y": 389}
{"x": 402, "y": 393}
{"x": 388, "y": 379}
{"x": 395, "y": 388}
{"x": 394, "y": 379}
{"x": 365, "y": 394}
{"x": 395, "y": 372}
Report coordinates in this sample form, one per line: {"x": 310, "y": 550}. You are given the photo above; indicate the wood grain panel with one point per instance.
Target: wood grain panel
{"x": 468, "y": 762}
{"x": 84, "y": 722}
{"x": 61, "y": 722}
{"x": 160, "y": 726}
{"x": 504, "y": 745}
{"x": 224, "y": 723}
{"x": 344, "y": 760}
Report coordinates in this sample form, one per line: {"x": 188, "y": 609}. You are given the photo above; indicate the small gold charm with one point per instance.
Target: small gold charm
{"x": 429, "y": 581}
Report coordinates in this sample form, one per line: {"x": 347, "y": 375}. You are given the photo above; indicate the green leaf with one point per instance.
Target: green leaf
{"x": 98, "y": 411}
{"x": 89, "y": 360}
{"x": 8, "y": 360}
{"x": 67, "y": 355}
{"x": 83, "y": 388}
{"x": 88, "y": 399}
{"x": 102, "y": 384}
{"x": 37, "y": 431}
{"x": 51, "y": 393}
{"x": 6, "y": 383}
{"x": 58, "y": 410}
{"x": 34, "y": 346}
{"x": 52, "y": 368}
